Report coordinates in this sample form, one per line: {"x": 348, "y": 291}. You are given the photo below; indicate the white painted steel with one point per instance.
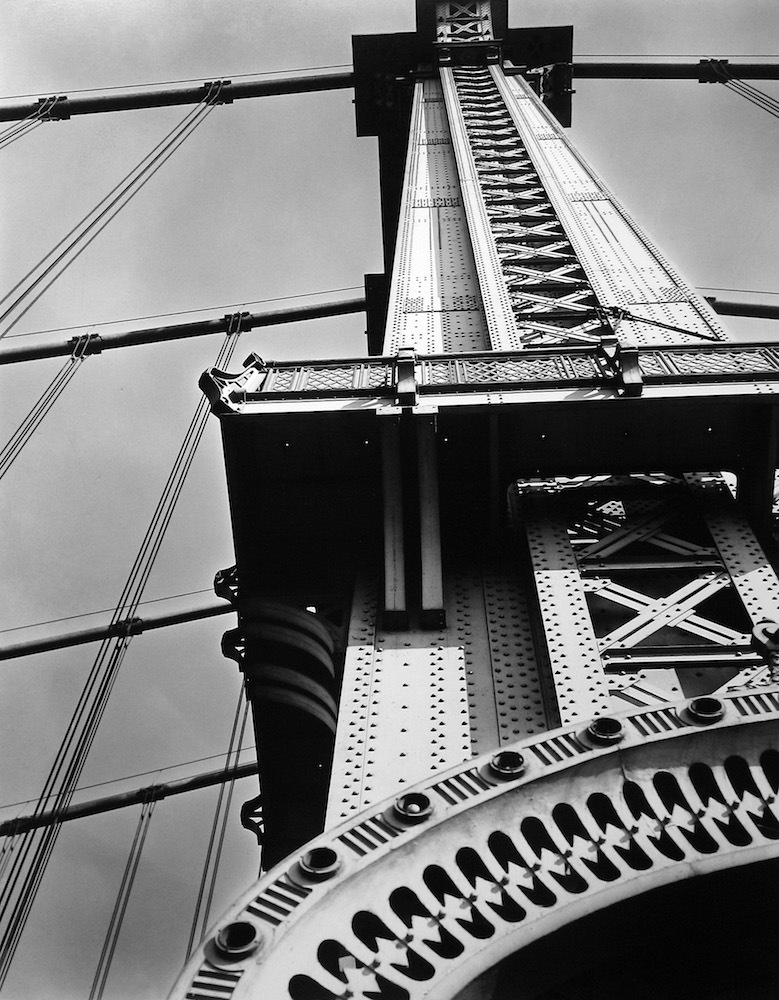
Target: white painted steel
{"x": 434, "y": 302}
{"x": 580, "y": 686}
{"x": 427, "y": 907}
{"x": 503, "y": 333}
{"x": 623, "y": 265}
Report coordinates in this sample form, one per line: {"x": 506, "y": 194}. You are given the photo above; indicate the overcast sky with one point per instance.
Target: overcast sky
{"x": 272, "y": 197}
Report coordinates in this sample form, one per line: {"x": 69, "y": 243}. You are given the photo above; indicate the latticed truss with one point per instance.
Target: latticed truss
{"x": 551, "y": 299}
{"x": 466, "y": 21}
{"x": 645, "y": 588}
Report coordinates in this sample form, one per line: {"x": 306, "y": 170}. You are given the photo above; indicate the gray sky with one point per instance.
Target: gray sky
{"x": 270, "y": 198}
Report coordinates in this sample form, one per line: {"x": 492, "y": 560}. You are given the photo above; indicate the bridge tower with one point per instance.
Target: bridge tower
{"x": 505, "y": 592}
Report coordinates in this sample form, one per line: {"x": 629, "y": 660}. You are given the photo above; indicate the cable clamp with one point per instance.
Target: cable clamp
{"x": 712, "y": 71}
{"x": 235, "y": 322}
{"x": 87, "y": 343}
{"x": 218, "y": 92}
{"x": 127, "y": 627}
{"x": 54, "y": 108}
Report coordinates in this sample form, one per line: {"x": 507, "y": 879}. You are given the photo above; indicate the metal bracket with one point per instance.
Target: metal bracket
{"x": 406, "y": 388}
{"x": 226, "y": 584}
{"x": 623, "y": 360}
{"x": 251, "y": 817}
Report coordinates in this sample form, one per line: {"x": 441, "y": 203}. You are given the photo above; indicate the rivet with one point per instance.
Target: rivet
{"x": 605, "y": 730}
{"x": 413, "y": 807}
{"x": 706, "y": 709}
{"x": 507, "y": 764}
{"x": 238, "y": 940}
{"x": 320, "y": 863}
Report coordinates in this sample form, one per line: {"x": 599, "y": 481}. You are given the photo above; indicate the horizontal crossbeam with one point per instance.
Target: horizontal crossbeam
{"x": 96, "y": 343}
{"x": 126, "y": 626}
{"x": 63, "y": 107}
{"x": 702, "y": 71}
{"x": 108, "y": 803}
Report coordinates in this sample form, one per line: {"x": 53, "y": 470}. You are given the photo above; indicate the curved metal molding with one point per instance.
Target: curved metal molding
{"x": 417, "y": 897}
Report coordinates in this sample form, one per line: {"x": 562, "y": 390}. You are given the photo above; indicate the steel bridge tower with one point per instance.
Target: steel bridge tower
{"x": 507, "y": 630}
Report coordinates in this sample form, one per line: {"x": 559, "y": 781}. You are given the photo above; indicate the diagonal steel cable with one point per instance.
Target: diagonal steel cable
{"x": 28, "y": 867}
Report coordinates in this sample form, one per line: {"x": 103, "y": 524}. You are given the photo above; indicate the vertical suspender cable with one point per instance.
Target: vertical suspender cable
{"x": 200, "y": 915}
{"x": 223, "y": 830}
{"x": 120, "y": 906}
{"x": 18, "y": 892}
{"x": 752, "y": 94}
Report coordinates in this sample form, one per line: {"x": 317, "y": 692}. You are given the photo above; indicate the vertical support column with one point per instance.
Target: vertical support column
{"x": 395, "y": 614}
{"x": 754, "y": 578}
{"x": 433, "y": 614}
{"x": 567, "y": 633}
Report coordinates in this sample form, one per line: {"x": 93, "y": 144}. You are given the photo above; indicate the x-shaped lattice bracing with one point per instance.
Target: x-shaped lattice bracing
{"x": 676, "y": 610}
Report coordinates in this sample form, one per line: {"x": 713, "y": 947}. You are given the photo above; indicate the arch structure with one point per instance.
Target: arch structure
{"x": 424, "y": 893}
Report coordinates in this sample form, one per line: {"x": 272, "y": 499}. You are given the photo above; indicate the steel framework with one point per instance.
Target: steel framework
{"x": 489, "y": 541}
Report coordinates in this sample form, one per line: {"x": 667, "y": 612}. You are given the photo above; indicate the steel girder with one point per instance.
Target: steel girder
{"x": 638, "y": 577}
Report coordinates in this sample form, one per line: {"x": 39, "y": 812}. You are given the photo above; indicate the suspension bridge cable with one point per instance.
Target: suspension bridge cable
{"x": 120, "y": 906}
{"x": 123, "y": 181}
{"x": 191, "y": 312}
{"x": 752, "y": 94}
{"x": 139, "y": 774}
{"x": 104, "y": 212}
{"x": 27, "y": 124}
{"x": 199, "y": 912}
{"x": 755, "y": 96}
{"x": 104, "y": 611}
{"x": 192, "y": 79}
{"x": 11, "y": 135}
{"x": 223, "y": 830}
{"x": 13, "y": 447}
{"x": 27, "y": 869}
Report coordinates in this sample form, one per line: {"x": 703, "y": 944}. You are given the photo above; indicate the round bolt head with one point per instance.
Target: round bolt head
{"x": 605, "y": 730}
{"x": 706, "y": 709}
{"x": 238, "y": 940}
{"x": 413, "y": 807}
{"x": 320, "y": 863}
{"x": 507, "y": 764}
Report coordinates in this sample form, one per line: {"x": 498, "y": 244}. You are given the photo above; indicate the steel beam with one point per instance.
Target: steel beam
{"x": 700, "y": 71}
{"x": 394, "y": 557}
{"x": 108, "y": 803}
{"x": 433, "y": 614}
{"x": 758, "y": 310}
{"x": 97, "y": 343}
{"x": 126, "y": 626}
{"x": 65, "y": 107}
